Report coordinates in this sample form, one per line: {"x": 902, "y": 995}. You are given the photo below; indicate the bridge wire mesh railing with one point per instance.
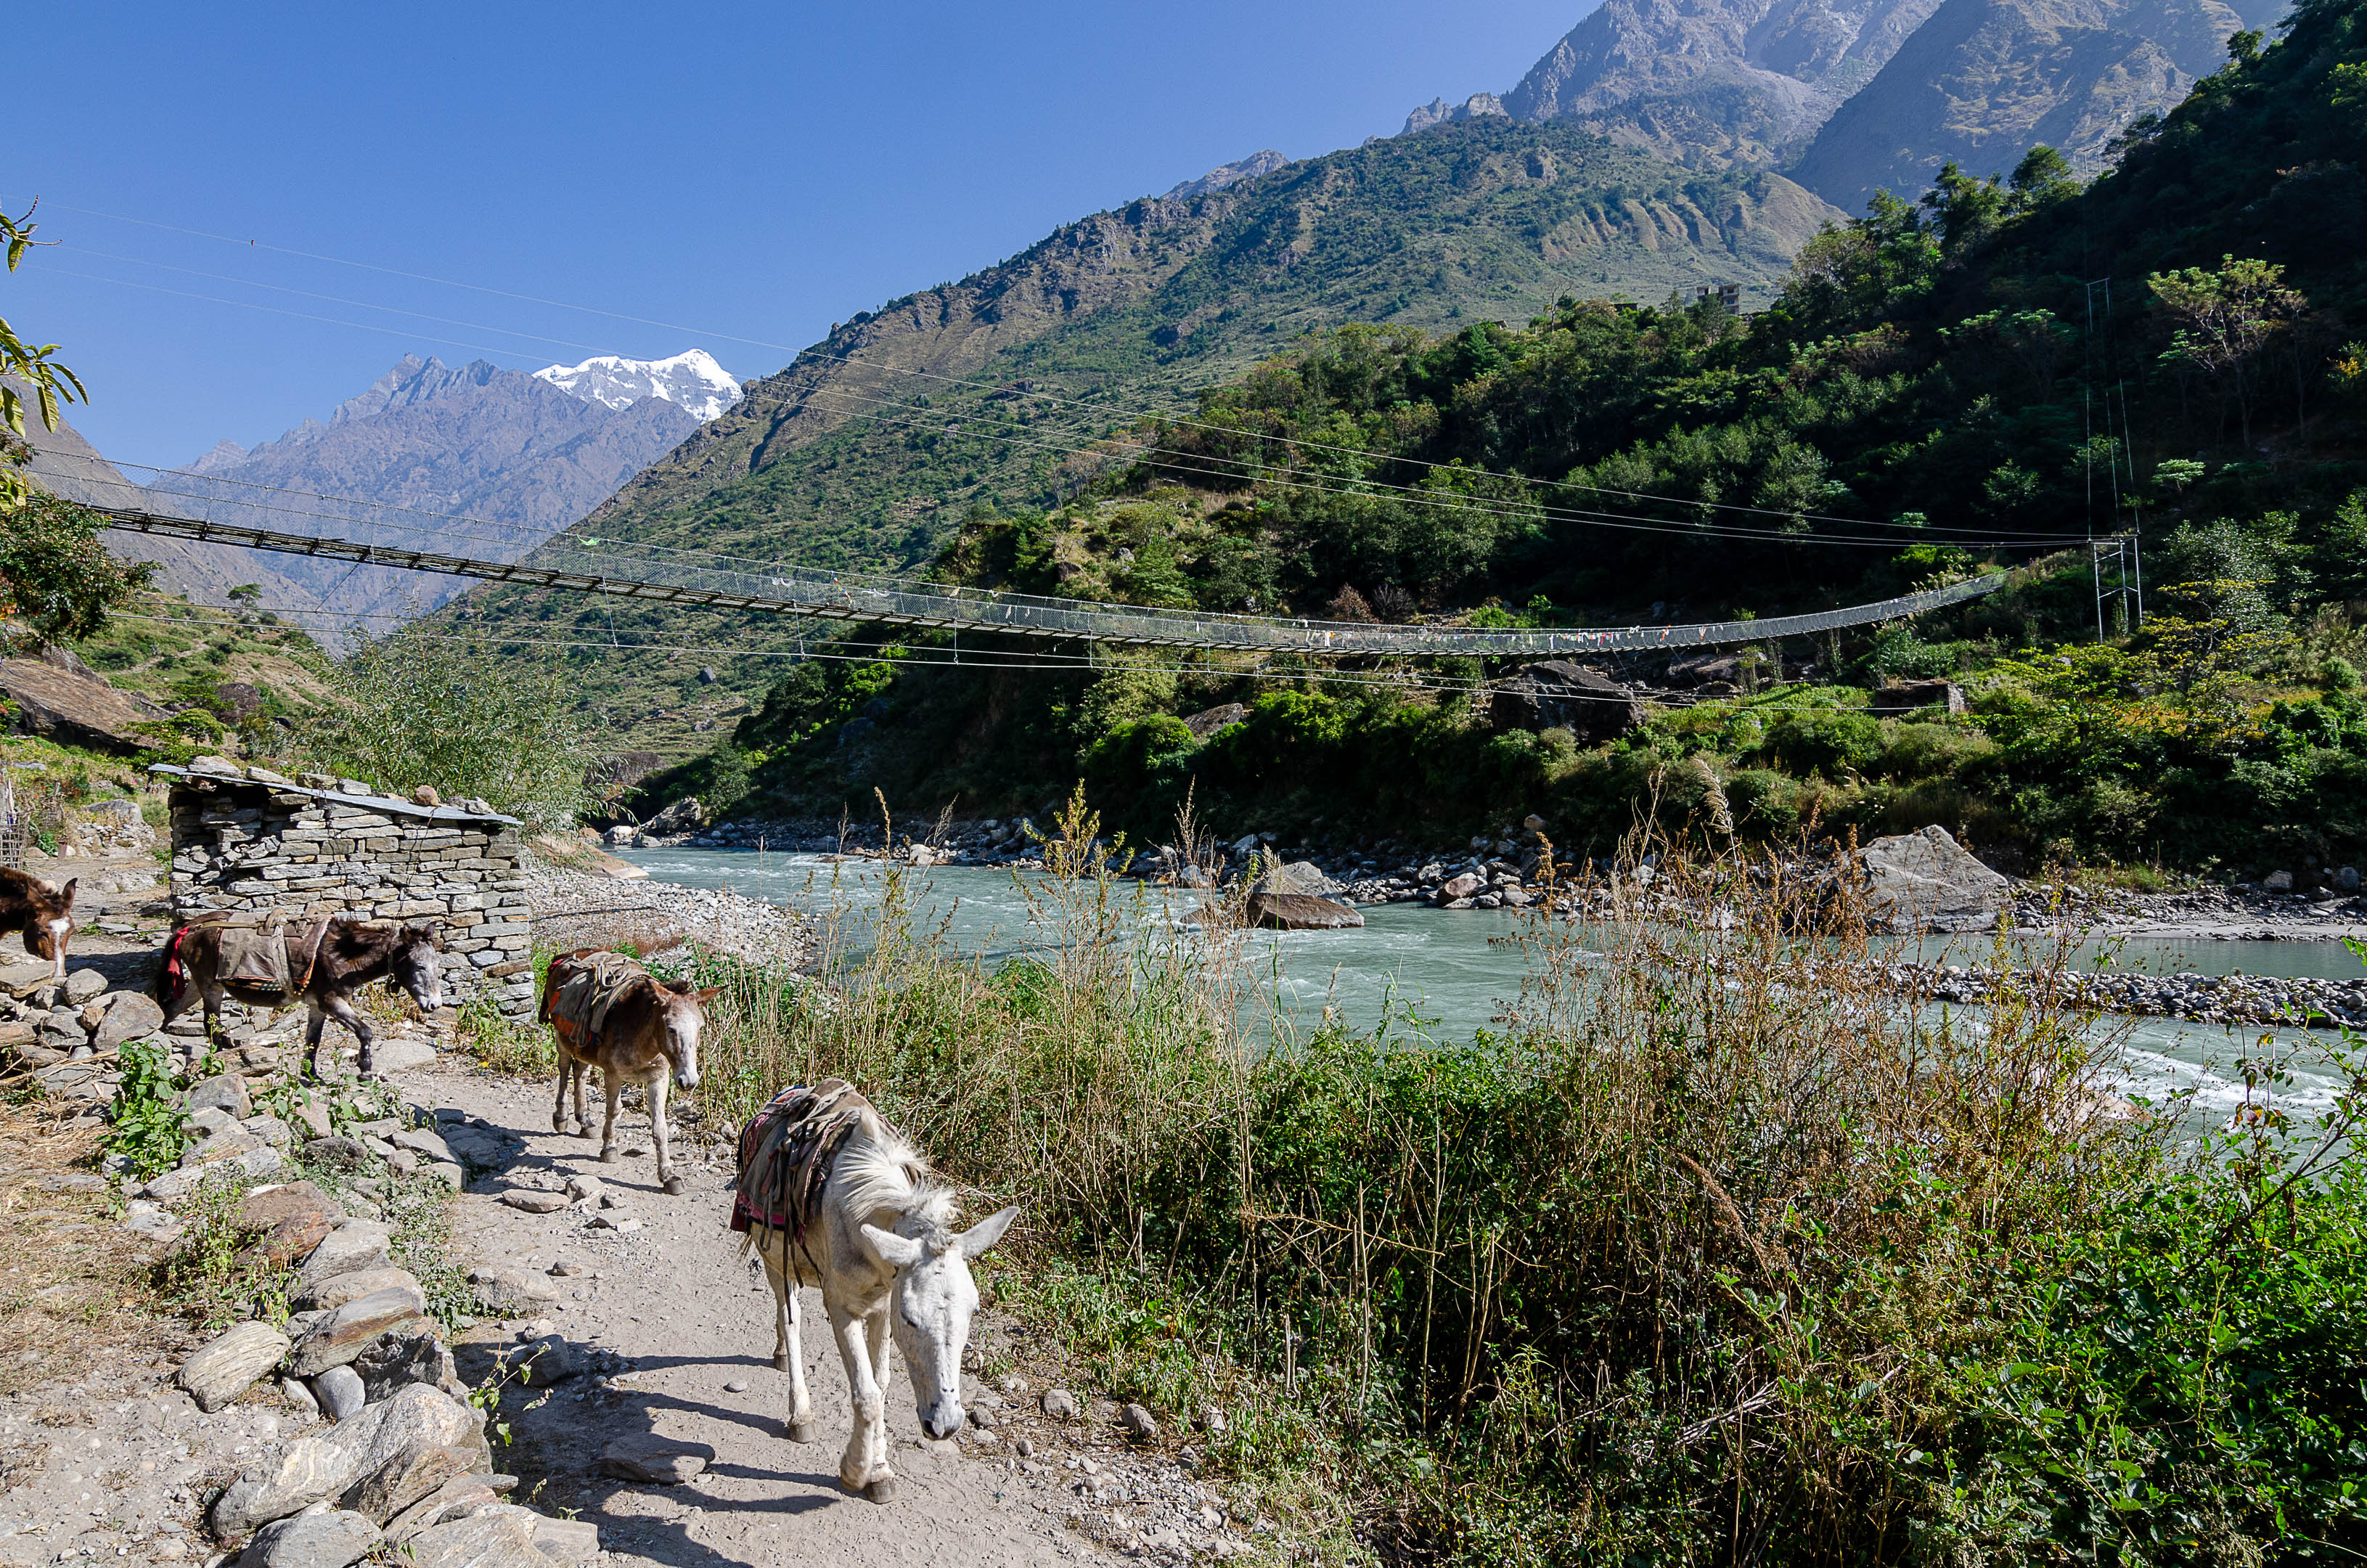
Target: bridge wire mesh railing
{"x": 193, "y": 507}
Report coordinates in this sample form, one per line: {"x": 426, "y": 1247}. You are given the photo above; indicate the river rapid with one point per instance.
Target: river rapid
{"x": 1449, "y": 974}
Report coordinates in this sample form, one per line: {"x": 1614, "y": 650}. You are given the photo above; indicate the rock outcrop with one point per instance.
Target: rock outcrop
{"x": 1555, "y": 694}
{"x": 81, "y": 710}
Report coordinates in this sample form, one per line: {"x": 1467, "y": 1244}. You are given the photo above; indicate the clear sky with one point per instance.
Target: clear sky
{"x": 748, "y": 171}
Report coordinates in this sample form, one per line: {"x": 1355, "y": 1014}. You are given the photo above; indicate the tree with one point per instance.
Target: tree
{"x": 49, "y": 383}
{"x": 53, "y": 572}
{"x": 2224, "y": 324}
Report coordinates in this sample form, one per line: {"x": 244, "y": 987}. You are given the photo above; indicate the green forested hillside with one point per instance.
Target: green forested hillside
{"x": 1934, "y": 376}
{"x": 865, "y": 456}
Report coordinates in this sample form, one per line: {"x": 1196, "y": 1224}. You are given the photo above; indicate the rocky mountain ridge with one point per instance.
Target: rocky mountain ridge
{"x": 1854, "y": 96}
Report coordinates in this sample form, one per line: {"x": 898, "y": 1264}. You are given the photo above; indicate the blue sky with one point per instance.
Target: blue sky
{"x": 754, "y": 172}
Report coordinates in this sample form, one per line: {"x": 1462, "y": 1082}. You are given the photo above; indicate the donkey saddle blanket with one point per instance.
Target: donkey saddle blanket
{"x": 785, "y": 1152}
{"x": 593, "y": 984}
{"x": 256, "y": 949}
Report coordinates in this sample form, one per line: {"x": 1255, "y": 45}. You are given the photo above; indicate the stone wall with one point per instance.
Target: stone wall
{"x": 247, "y": 838}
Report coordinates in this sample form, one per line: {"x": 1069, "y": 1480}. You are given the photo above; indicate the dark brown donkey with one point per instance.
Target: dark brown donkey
{"x": 42, "y": 911}
{"x": 325, "y": 966}
{"x": 609, "y": 1012}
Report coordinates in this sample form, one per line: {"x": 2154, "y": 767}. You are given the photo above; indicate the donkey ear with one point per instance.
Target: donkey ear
{"x": 987, "y": 1232}
{"x": 709, "y": 995}
{"x": 66, "y": 893}
{"x": 895, "y": 1251}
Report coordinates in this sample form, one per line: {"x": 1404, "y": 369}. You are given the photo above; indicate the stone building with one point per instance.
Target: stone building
{"x": 248, "y": 838}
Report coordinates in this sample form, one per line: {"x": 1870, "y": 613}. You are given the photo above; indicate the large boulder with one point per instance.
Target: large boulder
{"x": 328, "y": 1295}
{"x": 1557, "y": 694}
{"x": 385, "y": 1458}
{"x": 505, "y": 1293}
{"x": 218, "y": 1372}
{"x": 1302, "y": 877}
{"x": 1208, "y": 721}
{"x": 126, "y": 1014}
{"x": 392, "y": 1360}
{"x": 1927, "y": 881}
{"x": 1298, "y": 911}
{"x": 294, "y": 1218}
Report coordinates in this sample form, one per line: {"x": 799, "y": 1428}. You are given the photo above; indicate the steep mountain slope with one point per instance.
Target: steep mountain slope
{"x": 1000, "y": 388}
{"x": 864, "y": 453}
{"x": 66, "y": 465}
{"x": 1923, "y": 375}
{"x": 1714, "y": 83}
{"x": 427, "y": 439}
{"x": 1984, "y": 80}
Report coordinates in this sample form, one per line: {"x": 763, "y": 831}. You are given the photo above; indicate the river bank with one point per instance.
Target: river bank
{"x": 2308, "y": 904}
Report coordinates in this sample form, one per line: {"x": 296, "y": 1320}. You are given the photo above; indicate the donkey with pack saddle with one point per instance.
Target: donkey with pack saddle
{"x": 830, "y": 1193}
{"x": 276, "y": 957}
{"x": 41, "y": 911}
{"x": 606, "y": 1011}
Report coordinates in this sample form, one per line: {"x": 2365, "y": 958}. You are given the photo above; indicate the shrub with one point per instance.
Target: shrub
{"x": 414, "y": 709}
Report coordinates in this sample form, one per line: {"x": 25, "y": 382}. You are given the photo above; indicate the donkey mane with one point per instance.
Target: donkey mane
{"x": 880, "y": 1170}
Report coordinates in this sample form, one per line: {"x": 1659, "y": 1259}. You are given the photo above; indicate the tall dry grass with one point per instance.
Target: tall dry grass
{"x": 1694, "y": 1250}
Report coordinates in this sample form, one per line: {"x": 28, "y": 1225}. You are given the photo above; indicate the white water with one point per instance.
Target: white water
{"x": 1457, "y": 971}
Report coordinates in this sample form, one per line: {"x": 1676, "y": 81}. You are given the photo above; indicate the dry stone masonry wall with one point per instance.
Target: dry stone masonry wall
{"x": 246, "y": 838}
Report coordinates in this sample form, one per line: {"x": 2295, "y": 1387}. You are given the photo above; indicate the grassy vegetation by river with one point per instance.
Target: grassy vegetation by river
{"x": 1710, "y": 1254}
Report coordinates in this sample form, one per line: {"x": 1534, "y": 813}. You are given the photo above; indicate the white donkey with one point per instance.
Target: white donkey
{"x": 829, "y": 1194}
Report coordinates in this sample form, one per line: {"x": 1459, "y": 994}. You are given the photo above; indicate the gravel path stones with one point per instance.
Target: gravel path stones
{"x": 652, "y": 1459}
{"x": 229, "y": 1366}
{"x": 320, "y": 1536}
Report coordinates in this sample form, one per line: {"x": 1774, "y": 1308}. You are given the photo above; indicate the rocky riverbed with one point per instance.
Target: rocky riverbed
{"x": 2311, "y": 903}
{"x": 2204, "y": 998}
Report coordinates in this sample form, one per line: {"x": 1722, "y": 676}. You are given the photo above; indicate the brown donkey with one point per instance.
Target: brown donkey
{"x": 42, "y": 911}
{"x": 325, "y": 963}
{"x": 606, "y": 1011}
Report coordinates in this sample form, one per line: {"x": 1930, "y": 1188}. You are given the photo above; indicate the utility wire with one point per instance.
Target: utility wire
{"x": 879, "y": 653}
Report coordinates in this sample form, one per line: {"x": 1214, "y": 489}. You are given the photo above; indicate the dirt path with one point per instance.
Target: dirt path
{"x": 672, "y": 1297}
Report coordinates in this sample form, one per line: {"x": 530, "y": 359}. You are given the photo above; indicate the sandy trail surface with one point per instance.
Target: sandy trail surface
{"x": 672, "y": 1297}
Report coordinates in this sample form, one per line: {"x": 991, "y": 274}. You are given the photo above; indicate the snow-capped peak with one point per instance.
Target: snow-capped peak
{"x": 692, "y": 380}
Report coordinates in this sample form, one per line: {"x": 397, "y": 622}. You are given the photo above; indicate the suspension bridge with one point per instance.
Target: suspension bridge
{"x": 580, "y": 564}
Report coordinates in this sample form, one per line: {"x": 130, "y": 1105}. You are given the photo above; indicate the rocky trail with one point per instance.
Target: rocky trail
{"x": 626, "y": 1409}
{"x": 672, "y": 1331}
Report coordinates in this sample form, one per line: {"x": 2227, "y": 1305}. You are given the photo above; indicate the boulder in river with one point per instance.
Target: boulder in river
{"x": 1300, "y": 912}
{"x": 1927, "y": 881}
{"x": 1302, "y": 877}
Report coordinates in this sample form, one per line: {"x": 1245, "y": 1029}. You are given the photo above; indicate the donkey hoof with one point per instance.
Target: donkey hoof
{"x": 781, "y": 1362}
{"x": 882, "y": 1490}
{"x": 672, "y": 1185}
{"x": 610, "y": 1156}
{"x": 581, "y": 1129}
{"x": 803, "y": 1432}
